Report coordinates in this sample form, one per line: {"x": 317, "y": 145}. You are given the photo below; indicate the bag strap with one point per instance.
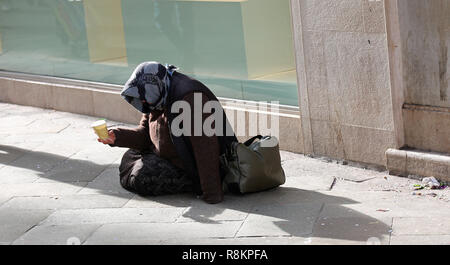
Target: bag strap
{"x": 251, "y": 140}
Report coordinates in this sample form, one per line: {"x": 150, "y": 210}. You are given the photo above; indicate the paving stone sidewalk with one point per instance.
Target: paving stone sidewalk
{"x": 58, "y": 185}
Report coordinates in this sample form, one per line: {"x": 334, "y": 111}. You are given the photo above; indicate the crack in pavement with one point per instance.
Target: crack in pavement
{"x": 333, "y": 183}
{"x": 356, "y": 181}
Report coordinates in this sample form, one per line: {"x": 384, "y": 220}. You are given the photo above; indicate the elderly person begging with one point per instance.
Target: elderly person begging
{"x": 160, "y": 160}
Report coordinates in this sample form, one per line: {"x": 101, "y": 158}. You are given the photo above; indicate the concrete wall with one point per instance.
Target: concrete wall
{"x": 425, "y": 33}
{"x": 424, "y": 27}
{"x": 344, "y": 79}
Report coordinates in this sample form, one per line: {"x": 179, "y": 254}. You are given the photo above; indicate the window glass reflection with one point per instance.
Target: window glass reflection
{"x": 241, "y": 49}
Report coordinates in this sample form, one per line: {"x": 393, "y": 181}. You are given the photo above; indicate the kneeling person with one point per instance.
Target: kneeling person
{"x": 159, "y": 161}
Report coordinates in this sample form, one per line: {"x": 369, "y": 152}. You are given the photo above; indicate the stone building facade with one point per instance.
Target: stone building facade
{"x": 373, "y": 82}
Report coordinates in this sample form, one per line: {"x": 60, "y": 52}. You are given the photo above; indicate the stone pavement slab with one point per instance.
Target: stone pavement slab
{"x": 293, "y": 195}
{"x": 420, "y": 240}
{"x": 12, "y": 175}
{"x": 14, "y": 122}
{"x": 8, "y": 154}
{"x": 48, "y": 125}
{"x": 74, "y": 201}
{"x": 14, "y": 222}
{"x": 113, "y": 215}
{"x": 99, "y": 154}
{"x": 384, "y": 240}
{"x": 37, "y": 161}
{"x": 285, "y": 156}
{"x": 392, "y": 204}
{"x": 304, "y": 166}
{"x": 4, "y": 199}
{"x": 22, "y": 143}
{"x": 37, "y": 126}
{"x": 26, "y": 111}
{"x": 432, "y": 225}
{"x": 311, "y": 182}
{"x": 273, "y": 220}
{"x": 276, "y": 240}
{"x": 154, "y": 233}
{"x": 58, "y": 185}
{"x": 233, "y": 208}
{"x": 41, "y": 189}
{"x": 106, "y": 182}
{"x": 381, "y": 182}
{"x": 353, "y": 228}
{"x": 85, "y": 165}
{"x": 57, "y": 235}
{"x": 73, "y": 170}
{"x": 166, "y": 201}
{"x": 59, "y": 148}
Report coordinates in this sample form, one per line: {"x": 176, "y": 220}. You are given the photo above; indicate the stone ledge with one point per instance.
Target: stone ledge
{"x": 427, "y": 127}
{"x": 416, "y": 162}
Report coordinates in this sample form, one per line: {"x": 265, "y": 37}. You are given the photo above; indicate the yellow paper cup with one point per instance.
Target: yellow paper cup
{"x": 100, "y": 129}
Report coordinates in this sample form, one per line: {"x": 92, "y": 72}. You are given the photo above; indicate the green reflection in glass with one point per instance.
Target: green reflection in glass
{"x": 240, "y": 50}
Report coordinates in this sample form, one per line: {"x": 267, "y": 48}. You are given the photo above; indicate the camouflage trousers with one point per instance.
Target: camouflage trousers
{"x": 147, "y": 174}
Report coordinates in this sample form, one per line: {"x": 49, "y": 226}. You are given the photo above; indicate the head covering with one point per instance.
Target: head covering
{"x": 148, "y": 86}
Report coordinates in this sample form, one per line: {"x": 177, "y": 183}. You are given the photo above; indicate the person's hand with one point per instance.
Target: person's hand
{"x": 110, "y": 140}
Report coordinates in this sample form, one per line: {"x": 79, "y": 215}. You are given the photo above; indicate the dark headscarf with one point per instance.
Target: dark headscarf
{"x": 148, "y": 86}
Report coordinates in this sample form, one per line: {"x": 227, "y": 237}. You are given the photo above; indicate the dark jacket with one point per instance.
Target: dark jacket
{"x": 197, "y": 155}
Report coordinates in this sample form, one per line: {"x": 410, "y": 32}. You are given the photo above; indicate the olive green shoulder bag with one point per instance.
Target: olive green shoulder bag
{"x": 253, "y": 166}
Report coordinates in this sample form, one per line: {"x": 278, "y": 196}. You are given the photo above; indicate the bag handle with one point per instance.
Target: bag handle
{"x": 251, "y": 140}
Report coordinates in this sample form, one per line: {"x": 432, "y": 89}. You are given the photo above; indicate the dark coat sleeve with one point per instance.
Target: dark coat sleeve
{"x": 138, "y": 138}
{"x": 206, "y": 153}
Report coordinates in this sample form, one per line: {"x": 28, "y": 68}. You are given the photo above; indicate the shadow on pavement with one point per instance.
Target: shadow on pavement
{"x": 286, "y": 211}
{"x": 51, "y": 167}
